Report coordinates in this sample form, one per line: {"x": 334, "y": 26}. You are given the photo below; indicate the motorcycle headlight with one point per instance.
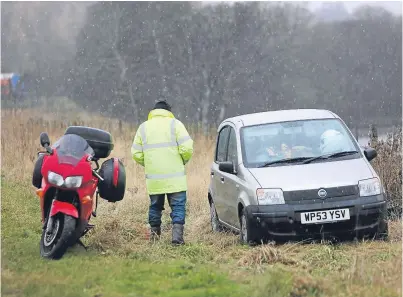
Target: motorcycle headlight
{"x": 55, "y": 179}
{"x": 270, "y": 196}
{"x": 369, "y": 187}
{"x": 73, "y": 181}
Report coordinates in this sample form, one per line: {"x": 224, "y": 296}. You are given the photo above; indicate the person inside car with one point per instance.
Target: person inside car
{"x": 332, "y": 141}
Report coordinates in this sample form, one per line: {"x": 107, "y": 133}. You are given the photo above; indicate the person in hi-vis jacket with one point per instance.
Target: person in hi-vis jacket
{"x": 163, "y": 146}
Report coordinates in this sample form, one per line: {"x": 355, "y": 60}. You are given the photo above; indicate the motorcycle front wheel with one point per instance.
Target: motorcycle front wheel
{"x": 55, "y": 244}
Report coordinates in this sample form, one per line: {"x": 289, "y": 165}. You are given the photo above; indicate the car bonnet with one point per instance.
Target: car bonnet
{"x": 312, "y": 176}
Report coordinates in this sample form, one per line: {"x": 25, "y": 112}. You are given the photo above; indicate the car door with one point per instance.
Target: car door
{"x": 230, "y": 184}
{"x": 220, "y": 156}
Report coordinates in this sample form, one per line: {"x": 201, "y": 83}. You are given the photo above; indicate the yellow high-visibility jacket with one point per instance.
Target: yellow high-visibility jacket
{"x": 163, "y": 146}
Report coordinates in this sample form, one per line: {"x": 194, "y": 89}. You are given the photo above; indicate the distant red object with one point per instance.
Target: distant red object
{"x": 5, "y": 85}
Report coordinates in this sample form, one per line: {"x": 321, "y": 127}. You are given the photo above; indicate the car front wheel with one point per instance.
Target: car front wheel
{"x": 383, "y": 232}
{"x": 246, "y": 233}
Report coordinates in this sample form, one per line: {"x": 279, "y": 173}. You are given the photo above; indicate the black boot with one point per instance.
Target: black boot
{"x": 155, "y": 233}
{"x": 177, "y": 234}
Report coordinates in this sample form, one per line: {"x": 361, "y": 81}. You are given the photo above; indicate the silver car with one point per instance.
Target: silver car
{"x": 294, "y": 173}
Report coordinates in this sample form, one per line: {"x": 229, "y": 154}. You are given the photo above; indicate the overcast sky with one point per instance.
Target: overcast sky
{"x": 392, "y": 6}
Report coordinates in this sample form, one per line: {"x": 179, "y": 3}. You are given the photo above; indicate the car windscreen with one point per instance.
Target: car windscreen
{"x": 271, "y": 142}
{"x": 71, "y": 149}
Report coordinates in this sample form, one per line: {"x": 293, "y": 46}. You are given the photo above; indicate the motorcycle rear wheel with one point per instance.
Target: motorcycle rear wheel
{"x": 54, "y": 246}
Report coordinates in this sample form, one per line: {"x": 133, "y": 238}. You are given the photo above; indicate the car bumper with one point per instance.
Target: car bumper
{"x": 366, "y": 216}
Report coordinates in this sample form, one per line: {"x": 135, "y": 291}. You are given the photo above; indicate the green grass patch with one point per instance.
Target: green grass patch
{"x": 199, "y": 268}
{"x": 82, "y": 273}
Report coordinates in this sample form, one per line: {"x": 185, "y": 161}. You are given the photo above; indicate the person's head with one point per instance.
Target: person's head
{"x": 331, "y": 141}
{"x": 162, "y": 104}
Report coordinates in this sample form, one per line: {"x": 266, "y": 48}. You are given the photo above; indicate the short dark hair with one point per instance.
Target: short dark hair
{"x": 162, "y": 104}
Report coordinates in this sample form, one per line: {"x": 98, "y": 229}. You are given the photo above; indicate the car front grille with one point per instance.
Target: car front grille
{"x": 311, "y": 196}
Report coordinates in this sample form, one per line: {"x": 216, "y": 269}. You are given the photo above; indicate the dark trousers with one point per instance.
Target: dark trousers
{"x": 177, "y": 202}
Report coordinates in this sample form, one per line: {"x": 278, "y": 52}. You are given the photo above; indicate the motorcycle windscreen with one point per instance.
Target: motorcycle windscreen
{"x": 71, "y": 149}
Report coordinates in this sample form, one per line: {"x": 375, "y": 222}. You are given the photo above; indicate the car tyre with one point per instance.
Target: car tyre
{"x": 247, "y": 234}
{"x": 382, "y": 232}
{"x": 215, "y": 222}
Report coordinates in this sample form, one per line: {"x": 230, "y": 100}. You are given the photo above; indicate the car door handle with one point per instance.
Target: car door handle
{"x": 212, "y": 173}
{"x": 222, "y": 178}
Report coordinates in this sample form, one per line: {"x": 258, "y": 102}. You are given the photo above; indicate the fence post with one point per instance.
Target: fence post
{"x": 372, "y": 135}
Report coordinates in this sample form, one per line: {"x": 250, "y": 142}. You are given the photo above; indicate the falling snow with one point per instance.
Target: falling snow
{"x": 210, "y": 61}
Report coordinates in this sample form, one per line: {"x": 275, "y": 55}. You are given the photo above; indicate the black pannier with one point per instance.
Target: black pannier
{"x": 112, "y": 188}
{"x": 100, "y": 140}
{"x": 37, "y": 175}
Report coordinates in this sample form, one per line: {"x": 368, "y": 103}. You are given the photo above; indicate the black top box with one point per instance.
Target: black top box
{"x": 101, "y": 141}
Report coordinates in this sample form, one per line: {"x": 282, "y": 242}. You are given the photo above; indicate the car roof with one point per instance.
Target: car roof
{"x": 269, "y": 117}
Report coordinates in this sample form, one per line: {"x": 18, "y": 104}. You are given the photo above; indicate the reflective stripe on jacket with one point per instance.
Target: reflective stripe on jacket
{"x": 163, "y": 146}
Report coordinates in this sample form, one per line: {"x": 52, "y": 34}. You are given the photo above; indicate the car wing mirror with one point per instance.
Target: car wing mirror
{"x": 370, "y": 154}
{"x": 227, "y": 167}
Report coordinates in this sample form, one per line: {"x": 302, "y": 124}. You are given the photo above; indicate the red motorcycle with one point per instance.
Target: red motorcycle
{"x": 66, "y": 184}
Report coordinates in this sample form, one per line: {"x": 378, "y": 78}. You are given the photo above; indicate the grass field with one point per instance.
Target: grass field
{"x": 121, "y": 261}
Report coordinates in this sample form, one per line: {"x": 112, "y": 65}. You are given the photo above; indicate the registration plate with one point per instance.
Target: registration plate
{"x": 325, "y": 216}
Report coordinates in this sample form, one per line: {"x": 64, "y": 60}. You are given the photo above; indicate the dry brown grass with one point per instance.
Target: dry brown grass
{"x": 388, "y": 165}
{"x": 122, "y": 228}
{"x": 268, "y": 254}
{"x": 124, "y": 220}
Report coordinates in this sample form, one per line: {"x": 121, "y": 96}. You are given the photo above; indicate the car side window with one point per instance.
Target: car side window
{"x": 232, "y": 147}
{"x": 221, "y": 152}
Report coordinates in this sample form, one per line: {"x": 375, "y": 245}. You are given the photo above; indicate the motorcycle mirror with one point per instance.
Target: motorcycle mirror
{"x": 44, "y": 138}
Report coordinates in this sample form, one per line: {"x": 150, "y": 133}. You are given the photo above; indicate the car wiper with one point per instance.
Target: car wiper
{"x": 329, "y": 156}
{"x": 288, "y": 160}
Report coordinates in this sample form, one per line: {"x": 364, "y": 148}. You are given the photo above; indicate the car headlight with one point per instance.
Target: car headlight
{"x": 369, "y": 187}
{"x": 55, "y": 179}
{"x": 73, "y": 181}
{"x": 270, "y": 196}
